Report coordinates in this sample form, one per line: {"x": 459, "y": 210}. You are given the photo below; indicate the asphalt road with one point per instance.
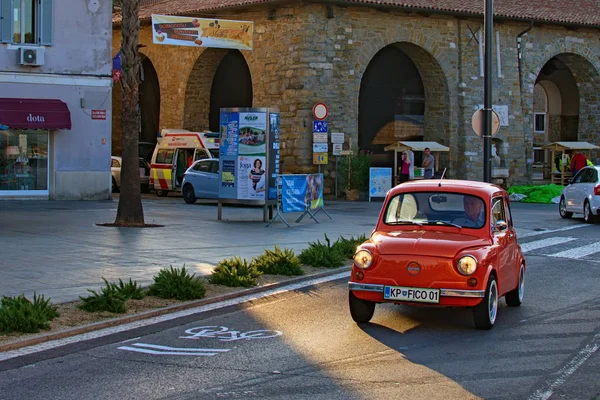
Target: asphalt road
{"x": 303, "y": 344}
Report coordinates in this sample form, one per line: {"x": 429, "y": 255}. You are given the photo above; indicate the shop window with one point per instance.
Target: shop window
{"x": 539, "y": 122}
{"x": 23, "y": 160}
{"x": 26, "y": 21}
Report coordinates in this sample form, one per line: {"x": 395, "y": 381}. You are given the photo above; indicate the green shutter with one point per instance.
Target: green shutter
{"x": 6, "y": 21}
{"x": 46, "y": 21}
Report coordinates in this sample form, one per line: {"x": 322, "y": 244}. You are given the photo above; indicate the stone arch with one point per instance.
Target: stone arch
{"x": 149, "y": 101}
{"x": 437, "y": 109}
{"x": 200, "y": 91}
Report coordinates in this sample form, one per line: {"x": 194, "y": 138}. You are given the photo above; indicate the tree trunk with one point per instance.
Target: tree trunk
{"x": 130, "y": 211}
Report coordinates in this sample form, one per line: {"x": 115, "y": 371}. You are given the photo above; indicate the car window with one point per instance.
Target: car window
{"x": 508, "y": 213}
{"x": 498, "y": 213}
{"x": 578, "y": 178}
{"x": 200, "y": 154}
{"x": 588, "y": 176}
{"x": 115, "y": 164}
{"x": 202, "y": 167}
{"x": 594, "y": 178}
{"x": 165, "y": 156}
{"x": 214, "y": 167}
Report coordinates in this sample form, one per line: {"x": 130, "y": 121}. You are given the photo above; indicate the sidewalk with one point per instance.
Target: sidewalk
{"x": 55, "y": 248}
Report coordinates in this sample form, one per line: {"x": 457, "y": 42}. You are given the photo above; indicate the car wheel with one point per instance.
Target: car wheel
{"x": 562, "y": 209}
{"x": 484, "y": 314}
{"x": 188, "y": 194}
{"x": 514, "y": 298}
{"x": 360, "y": 310}
{"x": 114, "y": 188}
{"x": 588, "y": 217}
{"x": 162, "y": 193}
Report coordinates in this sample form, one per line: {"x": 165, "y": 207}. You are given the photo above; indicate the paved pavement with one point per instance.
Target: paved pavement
{"x": 55, "y": 247}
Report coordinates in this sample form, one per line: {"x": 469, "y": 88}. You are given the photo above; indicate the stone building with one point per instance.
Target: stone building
{"x": 395, "y": 70}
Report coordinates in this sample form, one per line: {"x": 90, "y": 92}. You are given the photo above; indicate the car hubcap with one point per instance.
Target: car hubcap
{"x": 563, "y": 209}
{"x": 521, "y": 283}
{"x": 586, "y": 212}
{"x": 493, "y": 301}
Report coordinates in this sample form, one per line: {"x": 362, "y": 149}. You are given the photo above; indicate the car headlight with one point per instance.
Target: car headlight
{"x": 467, "y": 265}
{"x": 363, "y": 259}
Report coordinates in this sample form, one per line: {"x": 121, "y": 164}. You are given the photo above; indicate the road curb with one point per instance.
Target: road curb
{"x": 33, "y": 340}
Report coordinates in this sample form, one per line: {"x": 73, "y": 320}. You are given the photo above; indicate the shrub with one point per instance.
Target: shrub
{"x": 322, "y": 255}
{"x": 359, "y": 171}
{"x": 18, "y": 314}
{"x": 235, "y": 272}
{"x": 348, "y": 246}
{"x": 131, "y": 290}
{"x": 278, "y": 262}
{"x": 175, "y": 283}
{"x": 108, "y": 299}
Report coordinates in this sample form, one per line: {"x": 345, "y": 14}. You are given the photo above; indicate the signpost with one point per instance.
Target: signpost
{"x": 487, "y": 91}
{"x": 320, "y": 130}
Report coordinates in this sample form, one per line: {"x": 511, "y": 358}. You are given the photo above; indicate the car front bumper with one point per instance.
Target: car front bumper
{"x": 452, "y": 293}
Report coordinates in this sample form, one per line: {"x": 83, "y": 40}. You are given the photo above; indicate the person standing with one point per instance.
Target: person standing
{"x": 404, "y": 168}
{"x": 577, "y": 162}
{"x": 428, "y": 164}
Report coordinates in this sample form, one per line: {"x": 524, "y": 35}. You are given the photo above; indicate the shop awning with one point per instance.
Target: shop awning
{"x": 416, "y": 146}
{"x": 34, "y": 114}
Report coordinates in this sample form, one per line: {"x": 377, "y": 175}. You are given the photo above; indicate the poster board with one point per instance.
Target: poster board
{"x": 380, "y": 181}
{"x": 301, "y": 192}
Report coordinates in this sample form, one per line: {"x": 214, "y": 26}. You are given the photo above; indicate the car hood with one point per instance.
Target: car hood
{"x": 423, "y": 242}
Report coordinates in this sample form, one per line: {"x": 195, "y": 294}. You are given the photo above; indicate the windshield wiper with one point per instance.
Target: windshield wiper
{"x": 443, "y": 223}
{"x": 405, "y": 222}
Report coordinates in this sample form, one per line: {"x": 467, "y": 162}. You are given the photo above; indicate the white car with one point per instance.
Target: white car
{"x": 115, "y": 169}
{"x": 582, "y": 195}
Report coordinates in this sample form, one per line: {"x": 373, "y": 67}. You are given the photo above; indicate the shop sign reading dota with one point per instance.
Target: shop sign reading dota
{"x": 202, "y": 32}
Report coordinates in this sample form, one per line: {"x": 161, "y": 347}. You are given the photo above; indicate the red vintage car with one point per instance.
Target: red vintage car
{"x": 440, "y": 243}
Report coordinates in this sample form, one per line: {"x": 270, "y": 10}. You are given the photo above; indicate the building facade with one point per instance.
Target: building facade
{"x": 55, "y": 99}
{"x": 387, "y": 73}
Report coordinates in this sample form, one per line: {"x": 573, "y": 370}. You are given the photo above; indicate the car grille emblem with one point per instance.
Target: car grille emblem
{"x": 413, "y": 269}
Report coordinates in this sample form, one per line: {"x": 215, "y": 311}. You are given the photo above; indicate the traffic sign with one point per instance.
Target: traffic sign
{"x": 319, "y": 137}
{"x": 320, "y": 126}
{"x": 346, "y": 152}
{"x": 337, "y": 137}
{"x": 477, "y": 122}
{"x": 320, "y": 111}
{"x": 337, "y": 149}
{"x": 320, "y": 148}
{"x": 319, "y": 158}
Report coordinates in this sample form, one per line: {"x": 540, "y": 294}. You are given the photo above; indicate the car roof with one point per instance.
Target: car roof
{"x": 449, "y": 185}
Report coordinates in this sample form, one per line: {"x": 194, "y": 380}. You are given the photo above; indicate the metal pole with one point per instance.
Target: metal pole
{"x": 487, "y": 90}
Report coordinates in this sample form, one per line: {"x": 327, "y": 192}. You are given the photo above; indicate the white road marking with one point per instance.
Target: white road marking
{"x": 168, "y": 317}
{"x": 579, "y": 252}
{"x": 159, "y": 347}
{"x": 156, "y": 349}
{"x": 165, "y": 353}
{"x": 538, "y": 244}
{"x": 568, "y": 370}
{"x": 564, "y": 228}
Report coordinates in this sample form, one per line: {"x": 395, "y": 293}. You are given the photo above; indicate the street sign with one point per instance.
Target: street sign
{"x": 320, "y": 148}
{"x": 337, "y": 149}
{"x": 320, "y": 126}
{"x": 346, "y": 152}
{"x": 337, "y": 137}
{"x": 319, "y": 137}
{"x": 319, "y": 158}
{"x": 477, "y": 121}
{"x": 320, "y": 111}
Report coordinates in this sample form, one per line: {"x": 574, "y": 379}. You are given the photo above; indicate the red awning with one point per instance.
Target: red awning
{"x": 34, "y": 114}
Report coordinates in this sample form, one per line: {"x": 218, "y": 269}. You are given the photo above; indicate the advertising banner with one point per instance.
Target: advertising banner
{"x": 380, "y": 181}
{"x": 202, "y": 32}
{"x": 299, "y": 192}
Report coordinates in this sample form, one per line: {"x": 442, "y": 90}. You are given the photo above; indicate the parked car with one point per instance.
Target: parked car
{"x": 582, "y": 195}
{"x": 201, "y": 181}
{"x": 115, "y": 169}
{"x": 440, "y": 243}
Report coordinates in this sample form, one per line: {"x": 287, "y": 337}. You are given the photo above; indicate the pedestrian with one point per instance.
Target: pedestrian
{"x": 405, "y": 168}
{"x": 577, "y": 162}
{"x": 428, "y": 164}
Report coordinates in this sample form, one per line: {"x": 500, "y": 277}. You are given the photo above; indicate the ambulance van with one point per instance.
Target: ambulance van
{"x": 176, "y": 150}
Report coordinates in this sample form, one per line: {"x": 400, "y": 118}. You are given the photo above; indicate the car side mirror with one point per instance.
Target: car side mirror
{"x": 501, "y": 225}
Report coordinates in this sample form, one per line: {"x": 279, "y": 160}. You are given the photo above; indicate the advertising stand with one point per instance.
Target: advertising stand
{"x": 249, "y": 158}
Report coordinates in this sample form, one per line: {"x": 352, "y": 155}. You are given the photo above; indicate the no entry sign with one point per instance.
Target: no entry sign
{"x": 320, "y": 111}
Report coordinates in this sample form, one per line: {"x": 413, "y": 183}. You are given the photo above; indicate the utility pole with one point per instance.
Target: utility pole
{"x": 487, "y": 90}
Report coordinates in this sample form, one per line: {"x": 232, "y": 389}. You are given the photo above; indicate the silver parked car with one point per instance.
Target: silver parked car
{"x": 582, "y": 195}
{"x": 201, "y": 181}
{"x": 115, "y": 169}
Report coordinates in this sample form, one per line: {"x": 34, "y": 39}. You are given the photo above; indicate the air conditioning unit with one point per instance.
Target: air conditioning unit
{"x": 32, "y": 56}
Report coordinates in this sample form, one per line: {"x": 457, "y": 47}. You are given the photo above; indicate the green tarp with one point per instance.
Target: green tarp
{"x": 537, "y": 193}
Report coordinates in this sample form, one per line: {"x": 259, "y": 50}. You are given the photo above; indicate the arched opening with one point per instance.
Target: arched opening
{"x": 149, "y": 102}
{"x": 403, "y": 97}
{"x": 220, "y": 78}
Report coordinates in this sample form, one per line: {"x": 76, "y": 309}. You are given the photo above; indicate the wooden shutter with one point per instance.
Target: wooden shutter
{"x": 45, "y": 21}
{"x": 6, "y": 21}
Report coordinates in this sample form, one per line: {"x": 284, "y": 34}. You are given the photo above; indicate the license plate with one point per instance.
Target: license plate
{"x": 420, "y": 295}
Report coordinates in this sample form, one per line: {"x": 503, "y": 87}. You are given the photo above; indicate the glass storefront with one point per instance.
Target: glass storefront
{"x": 23, "y": 160}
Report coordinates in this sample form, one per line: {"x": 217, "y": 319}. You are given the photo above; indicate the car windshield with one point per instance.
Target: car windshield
{"x": 436, "y": 208}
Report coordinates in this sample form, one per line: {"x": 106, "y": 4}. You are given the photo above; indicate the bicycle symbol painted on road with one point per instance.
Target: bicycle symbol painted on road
{"x": 225, "y": 335}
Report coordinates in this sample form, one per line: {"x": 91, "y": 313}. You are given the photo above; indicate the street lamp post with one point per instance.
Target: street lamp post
{"x": 487, "y": 90}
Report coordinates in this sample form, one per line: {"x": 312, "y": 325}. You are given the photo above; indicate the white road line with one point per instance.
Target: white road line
{"x": 564, "y": 228}
{"x": 151, "y": 321}
{"x": 165, "y": 353}
{"x": 579, "y": 252}
{"x": 567, "y": 370}
{"x": 159, "y": 347}
{"x": 538, "y": 244}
